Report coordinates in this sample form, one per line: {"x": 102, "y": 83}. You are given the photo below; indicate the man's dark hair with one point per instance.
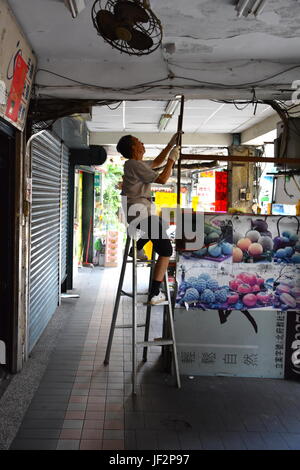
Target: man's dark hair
{"x": 124, "y": 146}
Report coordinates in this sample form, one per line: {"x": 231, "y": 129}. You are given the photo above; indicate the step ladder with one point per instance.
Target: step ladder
{"x": 146, "y": 343}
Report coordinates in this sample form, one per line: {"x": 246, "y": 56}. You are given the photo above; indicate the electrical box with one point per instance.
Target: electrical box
{"x": 293, "y": 144}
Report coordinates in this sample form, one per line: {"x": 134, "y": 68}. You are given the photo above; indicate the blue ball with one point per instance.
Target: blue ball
{"x": 280, "y": 253}
{"x": 201, "y": 285}
{"x": 204, "y": 276}
{"x": 192, "y": 281}
{"x": 289, "y": 251}
{"x": 208, "y": 297}
{"x": 226, "y": 248}
{"x": 286, "y": 234}
{"x": 191, "y": 295}
{"x": 295, "y": 258}
{"x": 212, "y": 284}
{"x": 221, "y": 296}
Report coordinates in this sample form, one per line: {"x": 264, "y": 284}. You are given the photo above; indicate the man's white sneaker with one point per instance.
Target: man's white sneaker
{"x": 158, "y": 299}
{"x": 140, "y": 254}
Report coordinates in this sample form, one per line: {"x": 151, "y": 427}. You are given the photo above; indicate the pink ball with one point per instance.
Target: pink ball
{"x": 263, "y": 297}
{"x": 260, "y": 281}
{"x": 255, "y": 249}
{"x": 249, "y": 279}
{"x": 244, "y": 289}
{"x": 244, "y": 244}
{"x": 255, "y": 288}
{"x": 249, "y": 300}
{"x": 232, "y": 298}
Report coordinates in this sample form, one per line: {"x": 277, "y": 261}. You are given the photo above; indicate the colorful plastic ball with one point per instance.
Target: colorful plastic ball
{"x": 214, "y": 250}
{"x": 232, "y": 298}
{"x": 221, "y": 296}
{"x": 244, "y": 244}
{"x": 212, "y": 284}
{"x": 250, "y": 300}
{"x": 226, "y": 248}
{"x": 266, "y": 242}
{"x": 263, "y": 297}
{"x": 244, "y": 288}
{"x": 255, "y": 249}
{"x": 286, "y": 234}
{"x": 208, "y": 297}
{"x": 237, "y": 255}
{"x": 289, "y": 251}
{"x": 253, "y": 235}
{"x": 191, "y": 295}
{"x": 295, "y": 258}
{"x": 280, "y": 253}
{"x": 201, "y": 285}
{"x": 204, "y": 276}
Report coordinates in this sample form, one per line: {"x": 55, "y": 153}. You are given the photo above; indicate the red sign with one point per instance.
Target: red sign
{"x": 16, "y": 90}
{"x": 221, "y": 191}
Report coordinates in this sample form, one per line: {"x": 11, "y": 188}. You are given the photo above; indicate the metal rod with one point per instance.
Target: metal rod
{"x": 134, "y": 313}
{"x": 179, "y": 129}
{"x": 148, "y": 311}
{"x": 117, "y": 302}
{"x": 236, "y": 158}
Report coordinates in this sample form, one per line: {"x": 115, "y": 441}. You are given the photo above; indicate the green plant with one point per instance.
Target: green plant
{"x": 111, "y": 196}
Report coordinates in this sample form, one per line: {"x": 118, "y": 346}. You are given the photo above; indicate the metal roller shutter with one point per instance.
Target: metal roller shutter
{"x": 64, "y": 212}
{"x": 45, "y": 234}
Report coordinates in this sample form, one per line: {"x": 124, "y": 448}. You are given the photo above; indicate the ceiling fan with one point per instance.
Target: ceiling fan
{"x": 128, "y": 25}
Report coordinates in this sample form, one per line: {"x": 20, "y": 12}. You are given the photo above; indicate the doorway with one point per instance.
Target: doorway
{"x": 7, "y": 165}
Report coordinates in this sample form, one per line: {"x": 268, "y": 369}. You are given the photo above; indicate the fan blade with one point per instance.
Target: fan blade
{"x": 139, "y": 40}
{"x": 107, "y": 24}
{"x": 130, "y": 12}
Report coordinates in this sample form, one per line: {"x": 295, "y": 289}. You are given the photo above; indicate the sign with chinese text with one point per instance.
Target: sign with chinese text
{"x": 17, "y": 67}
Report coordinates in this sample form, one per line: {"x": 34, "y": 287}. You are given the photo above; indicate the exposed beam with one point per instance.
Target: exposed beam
{"x": 156, "y": 138}
{"x": 238, "y": 158}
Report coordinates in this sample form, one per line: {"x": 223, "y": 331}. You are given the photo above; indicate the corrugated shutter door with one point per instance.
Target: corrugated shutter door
{"x": 45, "y": 234}
{"x": 64, "y": 213}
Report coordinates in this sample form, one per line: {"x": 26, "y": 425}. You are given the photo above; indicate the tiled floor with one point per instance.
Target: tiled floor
{"x": 82, "y": 404}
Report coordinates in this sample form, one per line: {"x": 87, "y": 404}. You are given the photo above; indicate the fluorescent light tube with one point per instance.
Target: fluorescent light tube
{"x": 241, "y": 7}
{"x": 75, "y": 6}
{"x": 259, "y": 9}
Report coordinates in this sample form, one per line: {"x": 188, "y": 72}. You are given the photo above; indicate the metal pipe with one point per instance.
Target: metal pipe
{"x": 239, "y": 158}
{"x": 179, "y": 129}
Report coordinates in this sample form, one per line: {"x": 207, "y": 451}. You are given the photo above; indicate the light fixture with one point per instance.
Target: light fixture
{"x": 168, "y": 113}
{"x": 250, "y": 7}
{"x": 75, "y": 6}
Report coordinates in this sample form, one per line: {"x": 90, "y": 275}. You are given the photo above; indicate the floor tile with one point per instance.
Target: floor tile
{"x": 34, "y": 444}
{"x": 274, "y": 441}
{"x": 68, "y": 444}
{"x": 92, "y": 434}
{"x": 116, "y": 444}
{"x": 70, "y": 434}
{"x": 93, "y": 444}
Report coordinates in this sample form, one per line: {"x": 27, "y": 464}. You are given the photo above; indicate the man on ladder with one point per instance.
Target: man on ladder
{"x": 136, "y": 199}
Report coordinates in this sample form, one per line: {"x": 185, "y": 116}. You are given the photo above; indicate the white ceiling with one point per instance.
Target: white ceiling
{"x": 200, "y": 116}
{"x": 215, "y": 54}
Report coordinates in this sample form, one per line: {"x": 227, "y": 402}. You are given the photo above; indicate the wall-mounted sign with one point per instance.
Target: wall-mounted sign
{"x": 247, "y": 262}
{"x": 17, "y": 67}
{"x": 292, "y": 356}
